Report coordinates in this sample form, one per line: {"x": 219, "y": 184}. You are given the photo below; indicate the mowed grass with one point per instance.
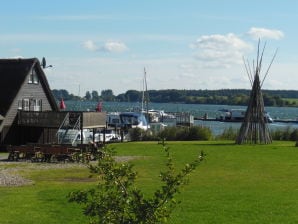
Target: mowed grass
{"x": 235, "y": 184}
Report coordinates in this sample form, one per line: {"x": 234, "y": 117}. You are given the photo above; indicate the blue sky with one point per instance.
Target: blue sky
{"x": 190, "y": 44}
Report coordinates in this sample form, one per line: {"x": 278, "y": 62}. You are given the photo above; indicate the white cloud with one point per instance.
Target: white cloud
{"x": 220, "y": 50}
{"x": 263, "y": 33}
{"x": 114, "y": 47}
{"x": 110, "y": 46}
{"x": 90, "y": 45}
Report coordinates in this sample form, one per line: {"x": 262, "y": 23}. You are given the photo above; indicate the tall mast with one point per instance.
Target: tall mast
{"x": 143, "y": 90}
{"x": 146, "y": 95}
{"x": 146, "y": 90}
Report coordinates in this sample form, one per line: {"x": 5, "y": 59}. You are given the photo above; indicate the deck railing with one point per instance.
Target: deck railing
{"x": 41, "y": 119}
{"x": 53, "y": 119}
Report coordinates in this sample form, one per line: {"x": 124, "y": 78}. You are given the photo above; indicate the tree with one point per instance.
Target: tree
{"x": 116, "y": 199}
{"x": 95, "y": 96}
{"x": 61, "y": 93}
{"x": 88, "y": 95}
{"x": 133, "y": 96}
{"x": 107, "y": 95}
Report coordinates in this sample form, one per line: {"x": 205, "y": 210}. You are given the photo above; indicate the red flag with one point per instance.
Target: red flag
{"x": 62, "y": 104}
{"x": 99, "y": 107}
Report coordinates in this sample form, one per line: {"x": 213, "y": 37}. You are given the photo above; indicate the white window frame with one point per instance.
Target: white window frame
{"x": 33, "y": 78}
{"x": 30, "y": 78}
{"x": 26, "y": 104}
{"x": 37, "y": 105}
{"x": 20, "y": 105}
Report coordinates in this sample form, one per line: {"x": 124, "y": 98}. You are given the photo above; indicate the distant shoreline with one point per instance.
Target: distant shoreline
{"x": 236, "y": 97}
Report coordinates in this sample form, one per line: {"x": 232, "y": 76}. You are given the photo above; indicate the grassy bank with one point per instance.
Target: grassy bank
{"x": 235, "y": 184}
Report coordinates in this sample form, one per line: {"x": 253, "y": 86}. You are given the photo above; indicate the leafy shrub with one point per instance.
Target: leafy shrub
{"x": 228, "y": 134}
{"x": 138, "y": 134}
{"x": 294, "y": 135}
{"x": 286, "y": 134}
{"x": 169, "y": 133}
{"x": 186, "y": 133}
{"x": 116, "y": 199}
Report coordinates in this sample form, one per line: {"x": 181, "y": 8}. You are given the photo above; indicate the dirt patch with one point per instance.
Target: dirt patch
{"x": 9, "y": 178}
{"x": 9, "y": 175}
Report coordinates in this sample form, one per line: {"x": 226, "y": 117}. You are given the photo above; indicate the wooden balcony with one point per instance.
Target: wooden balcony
{"x": 53, "y": 119}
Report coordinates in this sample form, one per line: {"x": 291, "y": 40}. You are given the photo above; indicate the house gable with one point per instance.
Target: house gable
{"x": 23, "y": 86}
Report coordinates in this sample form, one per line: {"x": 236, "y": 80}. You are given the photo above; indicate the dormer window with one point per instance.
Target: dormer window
{"x": 33, "y": 78}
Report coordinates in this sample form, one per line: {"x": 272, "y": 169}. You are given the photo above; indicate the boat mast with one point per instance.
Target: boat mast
{"x": 143, "y": 93}
{"x": 146, "y": 95}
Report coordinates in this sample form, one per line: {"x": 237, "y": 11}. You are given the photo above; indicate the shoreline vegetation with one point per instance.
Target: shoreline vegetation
{"x": 239, "y": 97}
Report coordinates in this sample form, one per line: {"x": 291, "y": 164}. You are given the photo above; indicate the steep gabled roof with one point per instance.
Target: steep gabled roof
{"x": 13, "y": 73}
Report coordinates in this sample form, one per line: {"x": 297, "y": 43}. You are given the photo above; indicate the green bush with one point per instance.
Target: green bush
{"x": 286, "y": 134}
{"x": 169, "y": 133}
{"x": 228, "y": 134}
{"x": 138, "y": 134}
{"x": 186, "y": 133}
{"x": 116, "y": 198}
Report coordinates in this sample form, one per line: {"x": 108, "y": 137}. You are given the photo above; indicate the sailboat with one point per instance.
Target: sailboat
{"x": 156, "y": 118}
{"x": 132, "y": 118}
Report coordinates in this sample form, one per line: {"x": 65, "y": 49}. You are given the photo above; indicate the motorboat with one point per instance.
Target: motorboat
{"x": 237, "y": 115}
{"x": 107, "y": 135}
{"x": 127, "y": 120}
{"x": 134, "y": 120}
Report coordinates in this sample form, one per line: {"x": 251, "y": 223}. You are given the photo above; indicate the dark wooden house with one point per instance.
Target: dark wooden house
{"x": 23, "y": 87}
{"x": 29, "y": 112}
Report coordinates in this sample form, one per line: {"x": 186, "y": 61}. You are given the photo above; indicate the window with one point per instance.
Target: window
{"x": 30, "y": 78}
{"x": 26, "y": 104}
{"x": 37, "y": 105}
{"x": 30, "y": 105}
{"x": 20, "y": 105}
{"x": 33, "y": 78}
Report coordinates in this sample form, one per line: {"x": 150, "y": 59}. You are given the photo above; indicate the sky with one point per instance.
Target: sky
{"x": 181, "y": 44}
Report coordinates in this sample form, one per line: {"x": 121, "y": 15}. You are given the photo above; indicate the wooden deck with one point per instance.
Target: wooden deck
{"x": 53, "y": 119}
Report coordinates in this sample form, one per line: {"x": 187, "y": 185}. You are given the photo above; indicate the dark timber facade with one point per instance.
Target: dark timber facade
{"x": 28, "y": 111}
{"x": 23, "y": 87}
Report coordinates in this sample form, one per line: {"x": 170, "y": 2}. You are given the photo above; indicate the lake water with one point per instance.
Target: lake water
{"x": 197, "y": 110}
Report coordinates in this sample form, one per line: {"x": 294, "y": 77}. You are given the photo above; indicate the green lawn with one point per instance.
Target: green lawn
{"x": 235, "y": 184}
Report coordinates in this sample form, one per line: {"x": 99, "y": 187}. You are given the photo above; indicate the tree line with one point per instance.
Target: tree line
{"x": 222, "y": 96}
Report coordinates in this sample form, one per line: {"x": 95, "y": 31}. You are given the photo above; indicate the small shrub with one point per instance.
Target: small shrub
{"x": 169, "y": 133}
{"x": 286, "y": 134}
{"x": 116, "y": 199}
{"x": 200, "y": 133}
{"x": 138, "y": 134}
{"x": 294, "y": 135}
{"x": 228, "y": 134}
{"x": 186, "y": 133}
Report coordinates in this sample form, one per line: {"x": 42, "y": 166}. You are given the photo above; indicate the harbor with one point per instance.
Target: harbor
{"x": 283, "y": 117}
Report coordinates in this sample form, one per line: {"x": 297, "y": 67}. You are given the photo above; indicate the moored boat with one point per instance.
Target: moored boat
{"x": 237, "y": 115}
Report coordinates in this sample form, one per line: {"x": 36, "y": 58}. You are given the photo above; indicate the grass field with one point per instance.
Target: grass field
{"x": 235, "y": 184}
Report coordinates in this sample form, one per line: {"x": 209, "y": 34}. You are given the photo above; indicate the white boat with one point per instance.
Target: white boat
{"x": 107, "y": 135}
{"x": 127, "y": 120}
{"x": 134, "y": 120}
{"x": 113, "y": 119}
{"x": 74, "y": 136}
{"x": 237, "y": 115}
